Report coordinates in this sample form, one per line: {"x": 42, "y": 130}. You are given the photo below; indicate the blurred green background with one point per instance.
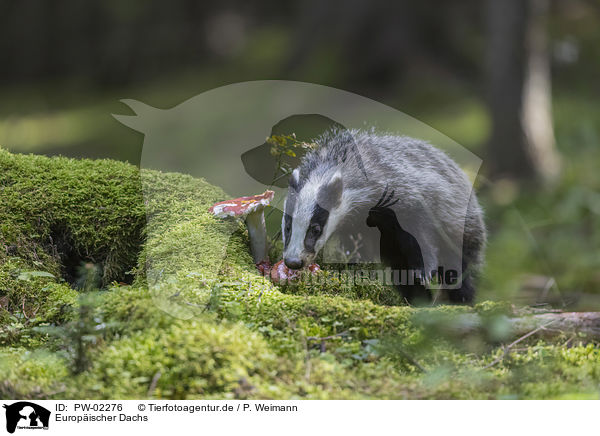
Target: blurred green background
{"x": 453, "y": 65}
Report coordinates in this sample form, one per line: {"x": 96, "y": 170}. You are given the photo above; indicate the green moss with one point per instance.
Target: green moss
{"x": 60, "y": 211}
{"x": 344, "y": 284}
{"x": 24, "y": 374}
{"x": 33, "y": 295}
{"x": 183, "y": 235}
{"x": 234, "y": 334}
{"x": 30, "y": 298}
{"x": 188, "y": 359}
{"x": 288, "y": 316}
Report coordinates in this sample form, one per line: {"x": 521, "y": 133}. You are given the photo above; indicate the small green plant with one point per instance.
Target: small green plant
{"x": 81, "y": 335}
{"x": 28, "y": 275}
{"x": 89, "y": 277}
{"x": 282, "y": 146}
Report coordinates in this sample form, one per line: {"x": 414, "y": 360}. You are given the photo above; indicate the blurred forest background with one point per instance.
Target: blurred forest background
{"x": 515, "y": 81}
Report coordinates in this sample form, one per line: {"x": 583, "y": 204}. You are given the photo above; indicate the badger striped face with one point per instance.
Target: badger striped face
{"x": 309, "y": 217}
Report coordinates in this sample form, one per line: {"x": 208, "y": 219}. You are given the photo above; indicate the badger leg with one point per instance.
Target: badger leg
{"x": 408, "y": 257}
{"x": 415, "y": 295}
{"x": 466, "y": 293}
{"x": 463, "y": 295}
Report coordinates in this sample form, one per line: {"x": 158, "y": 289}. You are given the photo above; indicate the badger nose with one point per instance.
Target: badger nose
{"x": 293, "y": 262}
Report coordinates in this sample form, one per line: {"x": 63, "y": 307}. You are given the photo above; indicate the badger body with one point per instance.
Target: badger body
{"x": 339, "y": 183}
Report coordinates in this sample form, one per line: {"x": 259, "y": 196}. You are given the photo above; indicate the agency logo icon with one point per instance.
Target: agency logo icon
{"x": 27, "y": 416}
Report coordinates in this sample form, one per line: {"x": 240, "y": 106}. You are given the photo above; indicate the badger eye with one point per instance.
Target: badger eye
{"x": 316, "y": 229}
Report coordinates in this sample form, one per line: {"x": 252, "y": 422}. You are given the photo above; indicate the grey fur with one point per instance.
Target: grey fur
{"x": 436, "y": 201}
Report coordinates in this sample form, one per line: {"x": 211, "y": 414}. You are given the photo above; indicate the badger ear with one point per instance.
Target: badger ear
{"x": 330, "y": 195}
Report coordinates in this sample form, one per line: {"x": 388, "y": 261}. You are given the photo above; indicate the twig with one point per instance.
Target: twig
{"x": 326, "y": 338}
{"x": 56, "y": 392}
{"x": 153, "y": 383}
{"x": 412, "y": 360}
{"x": 322, "y": 347}
{"x": 566, "y": 344}
{"x": 512, "y": 344}
{"x": 33, "y": 314}
{"x": 23, "y": 306}
{"x": 307, "y": 364}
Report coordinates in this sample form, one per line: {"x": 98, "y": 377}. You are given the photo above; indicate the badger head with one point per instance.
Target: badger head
{"x": 312, "y": 212}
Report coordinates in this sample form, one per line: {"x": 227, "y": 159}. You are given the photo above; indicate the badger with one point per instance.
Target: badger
{"x": 334, "y": 190}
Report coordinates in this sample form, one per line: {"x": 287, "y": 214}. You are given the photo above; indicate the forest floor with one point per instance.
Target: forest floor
{"x": 106, "y": 292}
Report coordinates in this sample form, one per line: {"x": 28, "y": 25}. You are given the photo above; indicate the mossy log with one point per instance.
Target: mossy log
{"x": 580, "y": 323}
{"x": 547, "y": 325}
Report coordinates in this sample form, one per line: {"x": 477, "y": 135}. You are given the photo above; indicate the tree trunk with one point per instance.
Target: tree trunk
{"x": 522, "y": 141}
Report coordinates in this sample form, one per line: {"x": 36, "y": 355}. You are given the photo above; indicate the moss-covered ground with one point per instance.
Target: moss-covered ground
{"x": 92, "y": 272}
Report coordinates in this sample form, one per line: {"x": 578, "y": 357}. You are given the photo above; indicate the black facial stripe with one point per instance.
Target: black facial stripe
{"x": 318, "y": 219}
{"x": 287, "y": 234}
{"x": 290, "y": 204}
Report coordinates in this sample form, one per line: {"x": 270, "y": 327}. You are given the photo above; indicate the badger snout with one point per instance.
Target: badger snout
{"x": 293, "y": 262}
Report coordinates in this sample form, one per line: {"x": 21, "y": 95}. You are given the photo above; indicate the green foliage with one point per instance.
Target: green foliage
{"x": 282, "y": 146}
{"x": 29, "y": 299}
{"x": 532, "y": 234}
{"x": 83, "y": 333}
{"x": 531, "y": 231}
